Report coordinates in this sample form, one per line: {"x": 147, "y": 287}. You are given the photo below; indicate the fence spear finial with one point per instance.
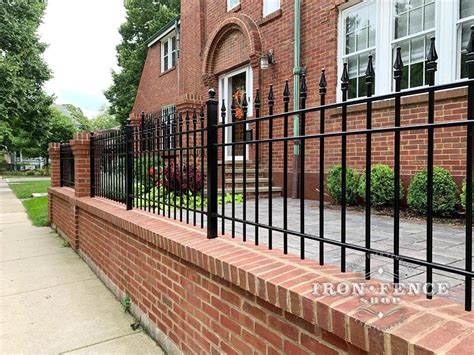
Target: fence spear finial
{"x": 257, "y": 99}
{"x": 432, "y": 56}
{"x": 345, "y": 78}
{"x": 194, "y": 114}
{"x": 271, "y": 97}
{"x": 286, "y": 92}
{"x": 370, "y": 72}
{"x": 322, "y": 82}
{"x": 398, "y": 65}
{"x": 304, "y": 88}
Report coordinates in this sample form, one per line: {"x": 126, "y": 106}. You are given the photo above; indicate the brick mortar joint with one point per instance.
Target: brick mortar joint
{"x": 103, "y": 209}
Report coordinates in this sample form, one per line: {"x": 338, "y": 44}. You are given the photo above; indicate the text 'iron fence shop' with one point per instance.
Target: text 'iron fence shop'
{"x": 159, "y": 165}
{"x": 66, "y": 161}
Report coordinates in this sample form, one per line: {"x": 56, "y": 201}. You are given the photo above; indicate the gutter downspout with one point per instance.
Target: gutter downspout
{"x": 297, "y": 70}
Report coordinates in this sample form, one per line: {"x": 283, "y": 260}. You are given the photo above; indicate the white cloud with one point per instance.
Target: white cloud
{"x": 82, "y": 35}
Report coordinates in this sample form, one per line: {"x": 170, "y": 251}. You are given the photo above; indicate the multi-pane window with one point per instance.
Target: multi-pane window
{"x": 270, "y": 6}
{"x": 168, "y": 52}
{"x": 466, "y": 20}
{"x": 232, "y": 3}
{"x": 168, "y": 116}
{"x": 359, "y": 42}
{"x": 380, "y": 26}
{"x": 414, "y": 25}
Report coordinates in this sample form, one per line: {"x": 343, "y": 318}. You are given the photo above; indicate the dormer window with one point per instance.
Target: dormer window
{"x": 168, "y": 52}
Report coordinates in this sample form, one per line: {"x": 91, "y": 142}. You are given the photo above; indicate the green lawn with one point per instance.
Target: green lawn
{"x": 24, "y": 190}
{"x": 37, "y": 209}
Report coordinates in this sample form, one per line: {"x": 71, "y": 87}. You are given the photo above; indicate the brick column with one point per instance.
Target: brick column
{"x": 55, "y": 166}
{"x": 80, "y": 146}
{"x": 135, "y": 119}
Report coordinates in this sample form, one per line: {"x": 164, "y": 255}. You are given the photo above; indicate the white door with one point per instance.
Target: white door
{"x": 236, "y": 84}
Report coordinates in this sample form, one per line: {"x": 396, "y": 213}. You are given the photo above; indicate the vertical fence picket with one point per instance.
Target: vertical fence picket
{"x": 344, "y": 88}
{"x": 369, "y": 79}
{"x": 286, "y": 101}
{"x": 431, "y": 67}
{"x": 302, "y": 151}
{"x": 469, "y": 172}
{"x": 322, "y": 102}
{"x": 271, "y": 103}
{"x": 257, "y": 163}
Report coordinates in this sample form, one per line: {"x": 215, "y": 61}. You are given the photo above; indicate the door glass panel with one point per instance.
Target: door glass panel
{"x": 238, "y": 90}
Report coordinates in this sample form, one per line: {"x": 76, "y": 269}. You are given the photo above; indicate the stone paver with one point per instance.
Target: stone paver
{"x": 448, "y": 241}
{"x": 50, "y": 301}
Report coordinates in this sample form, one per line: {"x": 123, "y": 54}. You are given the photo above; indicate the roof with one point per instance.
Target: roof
{"x": 162, "y": 31}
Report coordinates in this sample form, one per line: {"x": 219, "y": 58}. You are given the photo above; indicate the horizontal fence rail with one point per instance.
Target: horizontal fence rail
{"x": 66, "y": 165}
{"x": 168, "y": 165}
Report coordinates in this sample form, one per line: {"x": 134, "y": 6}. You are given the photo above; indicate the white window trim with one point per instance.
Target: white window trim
{"x": 168, "y": 111}
{"x": 168, "y": 40}
{"x": 266, "y": 11}
{"x": 229, "y": 8}
{"x": 447, "y": 33}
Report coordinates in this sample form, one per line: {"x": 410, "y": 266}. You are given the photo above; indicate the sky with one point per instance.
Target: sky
{"x": 82, "y": 35}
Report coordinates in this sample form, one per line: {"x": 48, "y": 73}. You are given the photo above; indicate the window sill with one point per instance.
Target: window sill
{"x": 168, "y": 71}
{"x": 236, "y": 8}
{"x": 270, "y": 17}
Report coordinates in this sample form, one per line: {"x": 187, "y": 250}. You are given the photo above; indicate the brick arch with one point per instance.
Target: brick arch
{"x": 242, "y": 28}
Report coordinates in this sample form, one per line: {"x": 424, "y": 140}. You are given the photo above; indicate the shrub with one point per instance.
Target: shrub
{"x": 334, "y": 184}
{"x": 444, "y": 193}
{"x": 182, "y": 179}
{"x": 463, "y": 195}
{"x": 382, "y": 187}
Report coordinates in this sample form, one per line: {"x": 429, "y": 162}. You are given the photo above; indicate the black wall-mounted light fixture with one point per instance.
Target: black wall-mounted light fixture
{"x": 267, "y": 59}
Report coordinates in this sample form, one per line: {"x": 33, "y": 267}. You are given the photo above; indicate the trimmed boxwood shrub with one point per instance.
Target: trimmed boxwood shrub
{"x": 444, "y": 193}
{"x": 463, "y": 195}
{"x": 382, "y": 187}
{"x": 334, "y": 184}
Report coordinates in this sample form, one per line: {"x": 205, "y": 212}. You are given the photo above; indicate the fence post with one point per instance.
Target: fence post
{"x": 92, "y": 164}
{"x": 212, "y": 165}
{"x": 129, "y": 166}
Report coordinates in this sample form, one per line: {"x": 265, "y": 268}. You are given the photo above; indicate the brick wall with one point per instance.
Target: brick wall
{"x": 214, "y": 41}
{"x": 224, "y": 296}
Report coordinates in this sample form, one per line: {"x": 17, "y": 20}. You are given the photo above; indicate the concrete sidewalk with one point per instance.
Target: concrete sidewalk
{"x": 50, "y": 301}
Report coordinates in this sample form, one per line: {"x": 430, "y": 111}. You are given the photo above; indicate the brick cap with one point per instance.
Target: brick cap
{"x": 285, "y": 282}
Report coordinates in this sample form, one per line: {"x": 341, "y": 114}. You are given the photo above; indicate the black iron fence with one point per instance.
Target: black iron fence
{"x": 138, "y": 166}
{"x": 66, "y": 161}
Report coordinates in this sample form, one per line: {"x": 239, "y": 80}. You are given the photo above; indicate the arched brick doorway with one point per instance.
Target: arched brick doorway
{"x": 231, "y": 65}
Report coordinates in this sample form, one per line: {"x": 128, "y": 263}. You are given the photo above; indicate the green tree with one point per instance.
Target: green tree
{"x": 84, "y": 124}
{"x": 60, "y": 128}
{"x": 24, "y": 106}
{"x": 104, "y": 120}
{"x": 144, "y": 18}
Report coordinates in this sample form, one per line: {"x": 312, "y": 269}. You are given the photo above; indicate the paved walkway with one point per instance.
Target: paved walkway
{"x": 449, "y": 242}
{"x": 50, "y": 301}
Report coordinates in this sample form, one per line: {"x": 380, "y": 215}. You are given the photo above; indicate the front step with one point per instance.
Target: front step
{"x": 263, "y": 192}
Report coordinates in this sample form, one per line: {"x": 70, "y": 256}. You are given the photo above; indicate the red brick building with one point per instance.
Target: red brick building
{"x": 220, "y": 44}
